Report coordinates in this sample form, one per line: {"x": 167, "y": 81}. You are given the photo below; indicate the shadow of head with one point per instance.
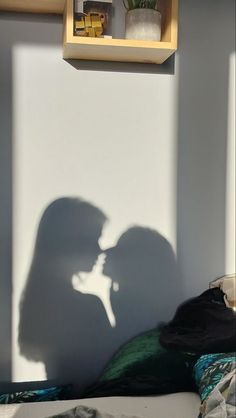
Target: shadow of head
{"x": 141, "y": 255}
{"x": 144, "y": 266}
{"x": 68, "y": 234}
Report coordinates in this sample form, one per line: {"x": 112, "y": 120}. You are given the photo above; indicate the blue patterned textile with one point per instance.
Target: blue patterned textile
{"x": 39, "y": 395}
{"x": 210, "y": 369}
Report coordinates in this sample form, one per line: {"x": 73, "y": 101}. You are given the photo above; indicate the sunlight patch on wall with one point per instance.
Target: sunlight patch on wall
{"x": 125, "y": 166}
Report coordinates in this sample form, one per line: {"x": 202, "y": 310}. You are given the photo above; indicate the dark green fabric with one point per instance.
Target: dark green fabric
{"x": 144, "y": 367}
{"x": 142, "y": 349}
{"x": 144, "y": 355}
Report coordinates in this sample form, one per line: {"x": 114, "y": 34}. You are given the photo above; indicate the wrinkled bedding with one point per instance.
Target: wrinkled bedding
{"x": 221, "y": 403}
{"x": 215, "y": 378}
{"x": 180, "y": 405}
{"x": 87, "y": 412}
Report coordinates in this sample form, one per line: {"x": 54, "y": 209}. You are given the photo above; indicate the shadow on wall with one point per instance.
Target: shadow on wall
{"x": 143, "y": 264}
{"x": 69, "y": 331}
{"x": 59, "y": 326}
{"x": 203, "y": 58}
{"x": 168, "y": 67}
{"x": 26, "y": 29}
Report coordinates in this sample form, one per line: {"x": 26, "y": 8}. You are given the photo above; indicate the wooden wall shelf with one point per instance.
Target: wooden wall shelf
{"x": 106, "y": 49}
{"x": 33, "y": 6}
{"x": 77, "y": 47}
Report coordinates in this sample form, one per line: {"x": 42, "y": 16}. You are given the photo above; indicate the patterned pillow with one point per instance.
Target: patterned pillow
{"x": 38, "y": 395}
{"x": 210, "y": 369}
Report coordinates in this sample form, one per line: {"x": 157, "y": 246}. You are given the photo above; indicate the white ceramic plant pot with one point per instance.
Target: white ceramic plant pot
{"x": 143, "y": 24}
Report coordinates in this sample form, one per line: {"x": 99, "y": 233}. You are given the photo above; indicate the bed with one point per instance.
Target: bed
{"x": 210, "y": 373}
{"x": 181, "y": 405}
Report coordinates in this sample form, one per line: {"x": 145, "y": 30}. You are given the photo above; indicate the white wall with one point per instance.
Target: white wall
{"x": 205, "y": 142}
{"x": 137, "y": 145}
{"x": 69, "y": 142}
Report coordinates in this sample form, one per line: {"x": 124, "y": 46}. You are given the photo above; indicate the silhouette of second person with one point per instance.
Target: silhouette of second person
{"x": 145, "y": 288}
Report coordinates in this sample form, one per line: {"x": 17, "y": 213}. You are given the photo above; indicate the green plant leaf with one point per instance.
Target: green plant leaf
{"x": 128, "y": 4}
{"x": 153, "y": 4}
{"x": 137, "y": 4}
{"x": 140, "y": 4}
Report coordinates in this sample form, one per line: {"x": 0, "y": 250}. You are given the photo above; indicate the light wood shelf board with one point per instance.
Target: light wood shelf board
{"x": 76, "y": 47}
{"x": 33, "y": 6}
{"x": 106, "y": 49}
{"x": 111, "y": 53}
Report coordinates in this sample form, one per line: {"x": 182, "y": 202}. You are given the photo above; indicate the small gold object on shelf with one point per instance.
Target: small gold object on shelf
{"x": 90, "y": 25}
{"x": 93, "y": 18}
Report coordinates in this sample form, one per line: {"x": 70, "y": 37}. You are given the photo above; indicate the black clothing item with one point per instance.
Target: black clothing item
{"x": 145, "y": 385}
{"x": 202, "y": 325}
{"x": 169, "y": 372}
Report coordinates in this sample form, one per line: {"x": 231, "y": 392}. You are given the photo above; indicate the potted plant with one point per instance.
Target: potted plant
{"x": 143, "y": 20}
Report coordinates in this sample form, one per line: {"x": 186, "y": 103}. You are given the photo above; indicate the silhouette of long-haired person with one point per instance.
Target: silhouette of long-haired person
{"x": 146, "y": 286}
{"x": 60, "y": 326}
